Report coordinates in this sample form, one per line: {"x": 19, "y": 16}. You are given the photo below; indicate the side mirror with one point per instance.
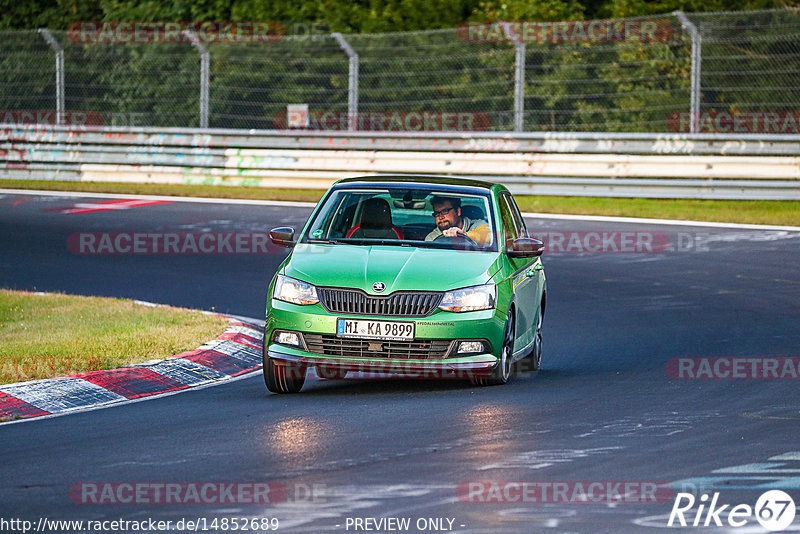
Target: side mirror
{"x": 526, "y": 247}
{"x": 283, "y": 236}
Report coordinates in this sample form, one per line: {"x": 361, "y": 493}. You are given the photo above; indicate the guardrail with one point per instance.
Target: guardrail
{"x": 748, "y": 166}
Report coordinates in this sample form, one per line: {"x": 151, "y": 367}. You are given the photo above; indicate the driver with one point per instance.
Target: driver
{"x": 450, "y": 222}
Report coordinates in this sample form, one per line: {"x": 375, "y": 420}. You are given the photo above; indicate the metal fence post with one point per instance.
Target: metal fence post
{"x": 519, "y": 79}
{"x": 205, "y": 72}
{"x": 59, "y": 72}
{"x": 697, "y": 44}
{"x": 352, "y": 81}
{"x": 519, "y": 87}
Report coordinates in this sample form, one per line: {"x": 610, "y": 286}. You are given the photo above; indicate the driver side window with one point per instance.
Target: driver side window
{"x": 510, "y": 229}
{"x": 513, "y": 222}
{"x": 519, "y": 222}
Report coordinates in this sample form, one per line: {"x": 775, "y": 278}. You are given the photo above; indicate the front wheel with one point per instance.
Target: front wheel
{"x": 536, "y": 355}
{"x": 283, "y": 377}
{"x": 502, "y": 370}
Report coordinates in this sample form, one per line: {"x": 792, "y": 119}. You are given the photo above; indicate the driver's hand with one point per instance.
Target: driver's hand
{"x": 453, "y": 232}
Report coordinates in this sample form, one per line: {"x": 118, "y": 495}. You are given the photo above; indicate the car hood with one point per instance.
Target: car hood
{"x": 400, "y": 268}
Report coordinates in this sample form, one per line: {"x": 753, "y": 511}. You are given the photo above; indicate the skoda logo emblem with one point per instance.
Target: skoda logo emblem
{"x": 378, "y": 287}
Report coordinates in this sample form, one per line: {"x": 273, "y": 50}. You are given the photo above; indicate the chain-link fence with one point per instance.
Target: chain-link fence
{"x": 27, "y": 72}
{"x": 674, "y": 72}
{"x": 750, "y": 60}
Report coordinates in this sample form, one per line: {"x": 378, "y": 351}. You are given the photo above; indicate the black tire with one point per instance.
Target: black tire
{"x": 536, "y": 354}
{"x": 501, "y": 372}
{"x": 281, "y": 377}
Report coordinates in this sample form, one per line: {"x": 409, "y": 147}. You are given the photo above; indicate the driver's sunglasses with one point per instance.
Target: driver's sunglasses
{"x": 442, "y": 212}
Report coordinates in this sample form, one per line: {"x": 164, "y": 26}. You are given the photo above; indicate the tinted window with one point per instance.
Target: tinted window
{"x": 510, "y": 225}
{"x": 396, "y": 217}
{"x": 519, "y": 222}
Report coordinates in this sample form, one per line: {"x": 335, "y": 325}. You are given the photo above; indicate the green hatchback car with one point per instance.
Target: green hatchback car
{"x": 416, "y": 276}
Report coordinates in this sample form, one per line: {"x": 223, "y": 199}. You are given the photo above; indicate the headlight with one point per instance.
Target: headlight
{"x": 294, "y": 291}
{"x": 470, "y": 299}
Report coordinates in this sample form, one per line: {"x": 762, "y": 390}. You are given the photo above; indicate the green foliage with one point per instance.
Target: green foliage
{"x": 635, "y": 8}
{"x": 351, "y": 16}
{"x": 54, "y": 14}
{"x": 541, "y": 10}
{"x": 751, "y": 62}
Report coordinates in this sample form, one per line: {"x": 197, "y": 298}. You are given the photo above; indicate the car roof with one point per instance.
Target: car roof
{"x": 450, "y": 182}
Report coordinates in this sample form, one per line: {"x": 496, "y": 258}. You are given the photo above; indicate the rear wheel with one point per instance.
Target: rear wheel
{"x": 281, "y": 377}
{"x": 502, "y": 370}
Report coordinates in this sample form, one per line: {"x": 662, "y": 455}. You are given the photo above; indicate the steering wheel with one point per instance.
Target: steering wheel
{"x": 458, "y": 239}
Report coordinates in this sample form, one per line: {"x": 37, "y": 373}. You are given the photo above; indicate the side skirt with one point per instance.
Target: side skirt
{"x": 523, "y": 353}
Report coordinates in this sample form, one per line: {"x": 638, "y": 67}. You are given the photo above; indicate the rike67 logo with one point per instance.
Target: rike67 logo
{"x": 774, "y": 510}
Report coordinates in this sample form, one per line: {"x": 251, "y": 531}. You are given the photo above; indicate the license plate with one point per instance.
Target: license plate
{"x": 360, "y": 328}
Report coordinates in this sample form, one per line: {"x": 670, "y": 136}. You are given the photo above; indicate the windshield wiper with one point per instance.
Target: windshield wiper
{"x": 361, "y": 241}
{"x": 317, "y": 241}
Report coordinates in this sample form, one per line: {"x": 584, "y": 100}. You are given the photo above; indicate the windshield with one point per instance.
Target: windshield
{"x": 405, "y": 217}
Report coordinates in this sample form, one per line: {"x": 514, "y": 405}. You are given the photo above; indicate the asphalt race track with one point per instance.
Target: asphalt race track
{"x": 605, "y": 408}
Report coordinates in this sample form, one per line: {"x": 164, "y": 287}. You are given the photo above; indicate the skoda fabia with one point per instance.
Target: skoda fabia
{"x": 416, "y": 276}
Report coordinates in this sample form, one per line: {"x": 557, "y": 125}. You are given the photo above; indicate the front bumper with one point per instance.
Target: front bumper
{"x": 477, "y": 365}
{"x": 440, "y": 326}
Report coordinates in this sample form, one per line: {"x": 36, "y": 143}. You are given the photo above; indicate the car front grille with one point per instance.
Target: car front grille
{"x": 398, "y": 304}
{"x": 420, "y": 349}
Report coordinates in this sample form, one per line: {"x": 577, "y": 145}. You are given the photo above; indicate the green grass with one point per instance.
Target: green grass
{"x": 180, "y": 190}
{"x": 44, "y": 336}
{"x": 781, "y": 212}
